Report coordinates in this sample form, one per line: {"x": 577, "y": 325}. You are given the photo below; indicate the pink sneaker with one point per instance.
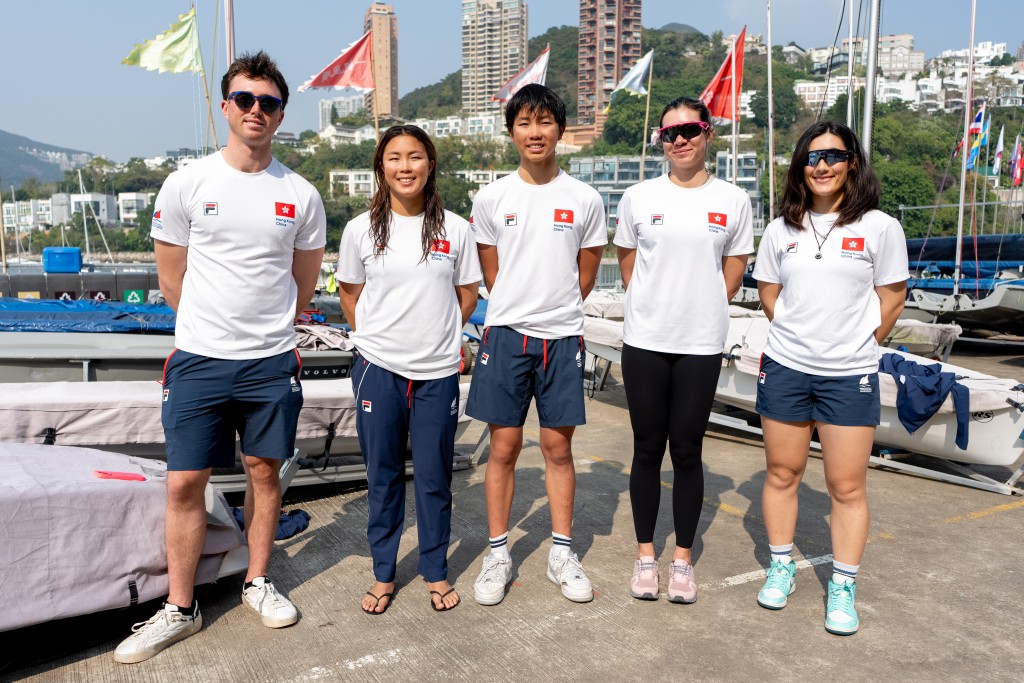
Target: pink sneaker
{"x": 644, "y": 584}
{"x": 682, "y": 584}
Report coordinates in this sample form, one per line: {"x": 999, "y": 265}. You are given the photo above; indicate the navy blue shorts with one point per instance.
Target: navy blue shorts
{"x": 512, "y": 368}
{"x": 789, "y": 395}
{"x": 206, "y": 401}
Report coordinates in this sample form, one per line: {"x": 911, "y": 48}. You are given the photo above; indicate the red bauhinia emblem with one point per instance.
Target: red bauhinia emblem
{"x": 853, "y": 244}
{"x": 717, "y": 218}
{"x": 286, "y": 210}
{"x": 563, "y": 216}
{"x": 443, "y": 246}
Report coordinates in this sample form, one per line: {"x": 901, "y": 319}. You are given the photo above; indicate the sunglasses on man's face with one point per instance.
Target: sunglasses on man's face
{"x": 688, "y": 130}
{"x": 244, "y": 100}
{"x": 831, "y": 156}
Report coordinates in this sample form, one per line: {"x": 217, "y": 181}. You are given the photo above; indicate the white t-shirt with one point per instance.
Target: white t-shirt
{"x": 827, "y": 312}
{"x": 539, "y": 231}
{"x": 238, "y": 298}
{"x": 676, "y": 301}
{"x": 408, "y": 318}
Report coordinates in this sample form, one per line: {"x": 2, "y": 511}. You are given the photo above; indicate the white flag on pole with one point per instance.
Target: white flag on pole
{"x": 998, "y": 161}
{"x": 535, "y": 72}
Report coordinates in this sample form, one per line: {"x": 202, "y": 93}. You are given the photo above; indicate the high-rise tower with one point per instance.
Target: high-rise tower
{"x": 493, "y": 50}
{"x": 609, "y": 47}
{"x": 382, "y": 21}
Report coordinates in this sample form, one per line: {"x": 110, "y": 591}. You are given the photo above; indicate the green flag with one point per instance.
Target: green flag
{"x": 174, "y": 50}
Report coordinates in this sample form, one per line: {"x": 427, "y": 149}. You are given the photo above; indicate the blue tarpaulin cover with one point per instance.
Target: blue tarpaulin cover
{"x": 19, "y": 315}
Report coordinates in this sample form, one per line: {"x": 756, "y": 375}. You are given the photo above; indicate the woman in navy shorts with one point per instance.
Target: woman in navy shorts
{"x": 831, "y": 273}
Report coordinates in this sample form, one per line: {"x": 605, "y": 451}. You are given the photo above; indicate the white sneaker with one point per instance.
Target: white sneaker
{"x": 148, "y": 638}
{"x": 566, "y": 571}
{"x": 489, "y": 588}
{"x": 276, "y": 610}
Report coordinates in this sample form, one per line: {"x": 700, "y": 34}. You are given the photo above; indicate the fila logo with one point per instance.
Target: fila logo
{"x": 483, "y": 358}
{"x": 791, "y": 247}
{"x": 209, "y": 209}
{"x": 455, "y": 405}
{"x": 167, "y": 394}
{"x": 367, "y": 407}
{"x": 658, "y": 219}
{"x": 510, "y": 220}
{"x": 564, "y": 216}
{"x": 760, "y": 378}
{"x": 853, "y": 244}
{"x": 717, "y": 218}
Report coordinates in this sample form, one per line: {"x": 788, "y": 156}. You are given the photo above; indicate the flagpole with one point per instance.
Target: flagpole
{"x": 771, "y": 121}
{"x": 373, "y": 99}
{"x": 645, "y": 135}
{"x": 984, "y": 199}
{"x": 735, "y": 131}
{"x": 229, "y": 30}
{"x": 3, "y": 230}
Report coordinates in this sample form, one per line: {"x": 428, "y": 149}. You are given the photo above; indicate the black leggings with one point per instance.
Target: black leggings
{"x": 669, "y": 397}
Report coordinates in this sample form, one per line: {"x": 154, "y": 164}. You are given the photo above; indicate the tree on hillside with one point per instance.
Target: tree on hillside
{"x": 787, "y": 105}
{"x": 905, "y": 184}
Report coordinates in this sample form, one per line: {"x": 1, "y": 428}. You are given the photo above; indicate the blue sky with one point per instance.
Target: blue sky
{"x": 61, "y": 72}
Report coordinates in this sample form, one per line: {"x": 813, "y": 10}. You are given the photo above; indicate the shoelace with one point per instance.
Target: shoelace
{"x": 491, "y": 569}
{"x": 270, "y": 596}
{"x": 139, "y": 626}
{"x": 572, "y": 567}
{"x": 648, "y": 567}
{"x": 840, "y": 597}
{"x": 685, "y": 569}
{"x": 778, "y": 577}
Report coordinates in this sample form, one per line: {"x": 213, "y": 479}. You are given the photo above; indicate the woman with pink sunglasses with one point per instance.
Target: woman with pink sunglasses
{"x": 683, "y": 240}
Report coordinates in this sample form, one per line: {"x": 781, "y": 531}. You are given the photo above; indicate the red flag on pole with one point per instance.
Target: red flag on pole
{"x": 718, "y": 95}
{"x": 1018, "y": 168}
{"x": 352, "y": 69}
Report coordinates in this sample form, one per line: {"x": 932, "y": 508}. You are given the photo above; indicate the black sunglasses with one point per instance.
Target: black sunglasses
{"x": 831, "y": 156}
{"x": 245, "y": 99}
{"x": 689, "y": 131}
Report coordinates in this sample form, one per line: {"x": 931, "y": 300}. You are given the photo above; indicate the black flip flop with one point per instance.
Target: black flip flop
{"x": 442, "y": 608}
{"x": 378, "y": 598}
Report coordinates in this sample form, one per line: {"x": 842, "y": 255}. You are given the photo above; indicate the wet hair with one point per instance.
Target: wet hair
{"x": 689, "y": 103}
{"x": 860, "y": 194}
{"x": 380, "y": 205}
{"x": 256, "y": 67}
{"x": 535, "y": 98}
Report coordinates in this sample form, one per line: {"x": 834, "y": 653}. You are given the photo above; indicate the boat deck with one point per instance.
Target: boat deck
{"x": 939, "y": 572}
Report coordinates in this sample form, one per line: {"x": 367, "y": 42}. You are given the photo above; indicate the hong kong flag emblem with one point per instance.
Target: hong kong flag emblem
{"x": 443, "y": 246}
{"x": 853, "y": 244}
{"x": 563, "y": 216}
{"x": 286, "y": 210}
{"x": 717, "y": 218}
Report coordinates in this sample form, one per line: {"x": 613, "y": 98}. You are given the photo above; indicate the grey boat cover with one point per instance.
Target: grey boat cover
{"x": 116, "y": 413}
{"x": 72, "y": 543}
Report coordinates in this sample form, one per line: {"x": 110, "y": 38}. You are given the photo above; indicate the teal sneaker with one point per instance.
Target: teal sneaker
{"x": 780, "y": 584}
{"x": 840, "y": 615}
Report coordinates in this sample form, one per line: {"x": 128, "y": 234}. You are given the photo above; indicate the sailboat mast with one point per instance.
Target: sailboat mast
{"x": 85, "y": 219}
{"x": 17, "y": 226}
{"x": 964, "y": 152}
{"x": 3, "y": 232}
{"x": 869, "y": 85}
{"x": 849, "y": 75}
{"x": 771, "y": 120}
{"x": 229, "y": 30}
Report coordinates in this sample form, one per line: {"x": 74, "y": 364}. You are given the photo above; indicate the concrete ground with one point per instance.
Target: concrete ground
{"x": 937, "y": 595}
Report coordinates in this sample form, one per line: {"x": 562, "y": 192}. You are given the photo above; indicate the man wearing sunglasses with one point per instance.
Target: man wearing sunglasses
{"x": 239, "y": 239}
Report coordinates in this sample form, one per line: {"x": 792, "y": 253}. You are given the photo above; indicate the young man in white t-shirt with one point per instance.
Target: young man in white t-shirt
{"x": 239, "y": 243}
{"x": 540, "y": 234}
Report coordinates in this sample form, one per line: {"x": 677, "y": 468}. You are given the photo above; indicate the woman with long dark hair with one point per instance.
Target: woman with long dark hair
{"x": 409, "y": 274}
{"x": 831, "y": 272}
{"x": 683, "y": 240}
